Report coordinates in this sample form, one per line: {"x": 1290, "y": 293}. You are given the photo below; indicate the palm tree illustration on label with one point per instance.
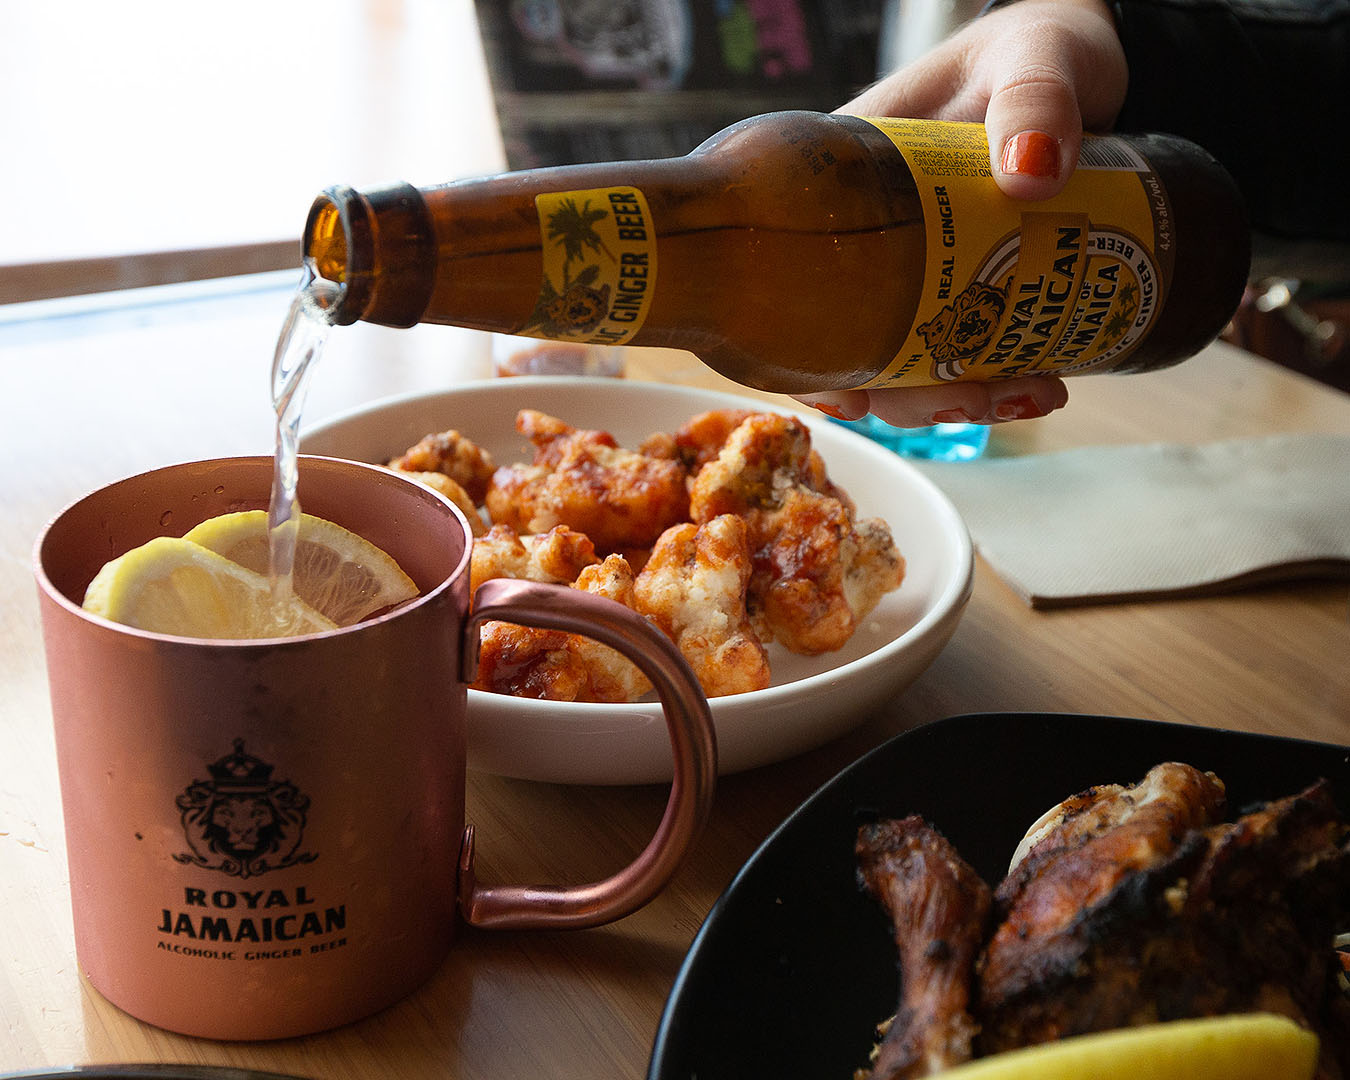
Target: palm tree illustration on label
{"x": 598, "y": 262}
{"x": 576, "y": 304}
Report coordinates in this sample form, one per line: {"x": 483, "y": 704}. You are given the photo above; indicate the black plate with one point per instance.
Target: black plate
{"x": 794, "y": 965}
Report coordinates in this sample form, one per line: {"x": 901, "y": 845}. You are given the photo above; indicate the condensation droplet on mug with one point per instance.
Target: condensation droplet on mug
{"x": 220, "y": 489}
{"x": 165, "y": 518}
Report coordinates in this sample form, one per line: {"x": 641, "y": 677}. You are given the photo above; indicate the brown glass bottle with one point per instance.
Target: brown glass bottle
{"x": 789, "y": 252}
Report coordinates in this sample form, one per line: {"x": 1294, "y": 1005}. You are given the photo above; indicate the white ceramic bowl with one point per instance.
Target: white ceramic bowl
{"x": 811, "y": 700}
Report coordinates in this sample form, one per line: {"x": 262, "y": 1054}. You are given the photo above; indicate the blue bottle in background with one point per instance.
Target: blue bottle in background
{"x": 940, "y": 442}
{"x": 907, "y": 31}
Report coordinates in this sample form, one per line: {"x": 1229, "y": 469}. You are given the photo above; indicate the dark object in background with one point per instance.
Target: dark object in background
{"x": 610, "y": 80}
{"x": 1300, "y": 326}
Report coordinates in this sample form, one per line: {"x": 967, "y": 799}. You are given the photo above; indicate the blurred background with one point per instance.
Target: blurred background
{"x": 156, "y": 141}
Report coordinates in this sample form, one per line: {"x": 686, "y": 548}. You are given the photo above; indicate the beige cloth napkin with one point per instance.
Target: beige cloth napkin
{"x": 1159, "y": 520}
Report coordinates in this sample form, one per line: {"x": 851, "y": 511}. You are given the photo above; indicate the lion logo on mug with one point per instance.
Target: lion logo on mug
{"x": 241, "y": 821}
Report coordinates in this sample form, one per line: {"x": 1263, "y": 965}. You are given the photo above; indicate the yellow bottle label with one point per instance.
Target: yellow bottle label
{"x": 599, "y": 272}
{"x": 1014, "y": 288}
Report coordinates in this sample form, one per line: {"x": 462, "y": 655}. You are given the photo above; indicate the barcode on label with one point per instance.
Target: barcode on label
{"x": 1110, "y": 154}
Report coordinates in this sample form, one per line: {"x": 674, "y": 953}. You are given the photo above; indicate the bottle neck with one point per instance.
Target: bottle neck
{"x": 378, "y": 246}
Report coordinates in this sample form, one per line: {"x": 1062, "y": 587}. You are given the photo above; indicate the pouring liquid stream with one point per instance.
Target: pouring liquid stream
{"x": 299, "y": 347}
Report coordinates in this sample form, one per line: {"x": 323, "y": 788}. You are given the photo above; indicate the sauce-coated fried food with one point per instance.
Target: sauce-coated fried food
{"x": 701, "y": 439}
{"x": 817, "y": 572}
{"x": 761, "y": 458}
{"x": 530, "y": 662}
{"x": 753, "y": 544}
{"x": 558, "y": 556}
{"x": 693, "y": 587}
{"x": 450, "y": 488}
{"x": 619, "y": 498}
{"x": 450, "y": 453}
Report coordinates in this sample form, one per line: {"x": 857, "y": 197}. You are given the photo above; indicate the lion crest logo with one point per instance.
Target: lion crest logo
{"x": 241, "y": 821}
{"x": 964, "y": 328}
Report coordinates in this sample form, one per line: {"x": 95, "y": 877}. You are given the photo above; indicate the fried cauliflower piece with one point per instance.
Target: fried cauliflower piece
{"x": 450, "y": 488}
{"x": 559, "y": 555}
{"x": 457, "y": 457}
{"x": 553, "y": 664}
{"x": 693, "y": 588}
{"x": 620, "y": 498}
{"x": 817, "y": 572}
{"x": 702, "y": 437}
{"x": 611, "y": 675}
{"x": 699, "y": 440}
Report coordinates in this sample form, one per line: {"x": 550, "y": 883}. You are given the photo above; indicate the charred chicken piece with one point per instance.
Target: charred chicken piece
{"x": 1128, "y": 906}
{"x": 1240, "y": 919}
{"x": 1117, "y": 848}
{"x": 938, "y": 906}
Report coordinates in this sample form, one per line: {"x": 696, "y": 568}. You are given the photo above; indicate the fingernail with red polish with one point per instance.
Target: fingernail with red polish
{"x": 1031, "y": 153}
{"x": 1019, "y": 408}
{"x": 831, "y": 410}
{"x": 955, "y": 416}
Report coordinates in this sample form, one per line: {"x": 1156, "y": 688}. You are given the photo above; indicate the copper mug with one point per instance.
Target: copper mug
{"x": 267, "y": 838}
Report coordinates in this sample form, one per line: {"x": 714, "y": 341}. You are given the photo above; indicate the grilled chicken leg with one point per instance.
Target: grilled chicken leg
{"x": 938, "y": 906}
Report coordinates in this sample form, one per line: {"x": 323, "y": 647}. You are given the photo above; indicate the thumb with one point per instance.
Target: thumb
{"x": 1058, "y": 69}
{"x": 1035, "y": 131}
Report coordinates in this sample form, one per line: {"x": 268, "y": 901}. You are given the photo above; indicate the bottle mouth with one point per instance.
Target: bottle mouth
{"x": 377, "y": 247}
{"x": 338, "y": 249}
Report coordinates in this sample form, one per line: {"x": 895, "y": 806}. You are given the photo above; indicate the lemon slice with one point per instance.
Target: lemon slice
{"x": 336, "y": 572}
{"x": 173, "y": 586}
{"x": 1249, "y": 1046}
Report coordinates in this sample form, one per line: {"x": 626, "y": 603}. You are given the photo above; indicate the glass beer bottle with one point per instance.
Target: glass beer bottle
{"x": 798, "y": 252}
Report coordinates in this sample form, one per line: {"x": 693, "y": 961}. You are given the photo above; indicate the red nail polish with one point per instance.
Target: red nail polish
{"x": 831, "y": 410}
{"x": 1031, "y": 153}
{"x": 954, "y": 416}
{"x": 1018, "y": 408}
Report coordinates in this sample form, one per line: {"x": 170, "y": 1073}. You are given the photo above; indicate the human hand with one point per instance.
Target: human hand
{"x": 952, "y": 403}
{"x": 1037, "y": 73}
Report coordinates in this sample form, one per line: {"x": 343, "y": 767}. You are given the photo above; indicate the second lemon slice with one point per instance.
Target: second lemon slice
{"x": 337, "y": 572}
{"x": 172, "y": 586}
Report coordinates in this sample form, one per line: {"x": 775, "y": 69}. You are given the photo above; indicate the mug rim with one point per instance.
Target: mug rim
{"x": 59, "y": 596}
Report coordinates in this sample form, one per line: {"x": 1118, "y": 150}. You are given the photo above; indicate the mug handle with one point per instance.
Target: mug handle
{"x": 692, "y": 740}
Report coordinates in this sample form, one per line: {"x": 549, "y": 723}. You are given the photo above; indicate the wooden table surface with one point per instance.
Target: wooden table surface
{"x": 95, "y": 391}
